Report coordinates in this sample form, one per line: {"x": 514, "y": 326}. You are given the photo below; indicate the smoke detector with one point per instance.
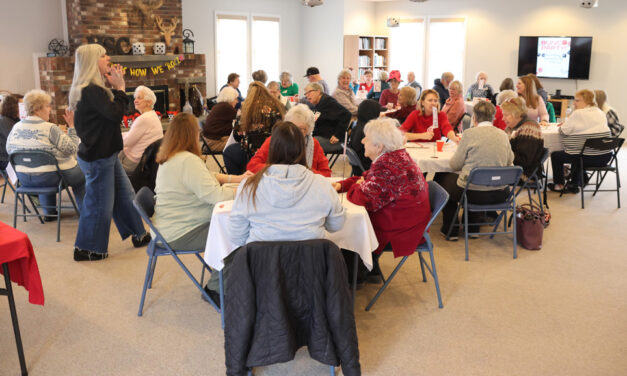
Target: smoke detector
{"x": 394, "y": 22}
{"x": 312, "y": 3}
{"x": 589, "y": 4}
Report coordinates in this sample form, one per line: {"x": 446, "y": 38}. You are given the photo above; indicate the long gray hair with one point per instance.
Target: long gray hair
{"x": 86, "y": 72}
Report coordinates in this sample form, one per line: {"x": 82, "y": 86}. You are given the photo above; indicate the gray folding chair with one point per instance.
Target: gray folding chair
{"x": 535, "y": 181}
{"x": 354, "y": 160}
{"x": 490, "y": 177}
{"x": 437, "y": 199}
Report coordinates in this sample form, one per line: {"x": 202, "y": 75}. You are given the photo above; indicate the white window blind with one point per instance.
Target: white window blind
{"x": 231, "y": 49}
{"x": 447, "y": 48}
{"x": 265, "y": 46}
{"x": 407, "y": 49}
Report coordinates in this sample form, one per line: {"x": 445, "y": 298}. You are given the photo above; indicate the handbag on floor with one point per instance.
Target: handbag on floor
{"x": 530, "y": 224}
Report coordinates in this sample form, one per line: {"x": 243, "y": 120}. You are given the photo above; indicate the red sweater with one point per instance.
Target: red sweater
{"x": 417, "y": 123}
{"x": 364, "y": 86}
{"x": 388, "y": 97}
{"x": 396, "y": 196}
{"x": 498, "y": 119}
{"x": 320, "y": 164}
{"x": 401, "y": 114}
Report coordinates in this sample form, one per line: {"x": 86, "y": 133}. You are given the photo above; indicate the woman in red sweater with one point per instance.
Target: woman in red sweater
{"x": 419, "y": 125}
{"x": 393, "y": 190}
{"x": 303, "y": 118}
{"x": 407, "y": 102}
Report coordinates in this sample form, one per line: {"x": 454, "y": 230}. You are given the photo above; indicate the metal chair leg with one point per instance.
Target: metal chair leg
{"x": 434, "y": 274}
{"x": 16, "y": 326}
{"x": 422, "y": 267}
{"x": 147, "y": 279}
{"x": 221, "y": 299}
{"x": 376, "y": 297}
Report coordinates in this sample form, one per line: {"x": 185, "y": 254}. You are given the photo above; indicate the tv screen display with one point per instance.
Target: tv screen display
{"x": 555, "y": 57}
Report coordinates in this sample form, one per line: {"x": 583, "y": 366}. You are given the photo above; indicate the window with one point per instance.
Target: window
{"x": 236, "y": 52}
{"x": 405, "y": 59}
{"x": 429, "y": 48}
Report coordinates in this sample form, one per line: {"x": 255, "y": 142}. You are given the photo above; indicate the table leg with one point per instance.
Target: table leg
{"x": 16, "y": 328}
{"x": 355, "y": 267}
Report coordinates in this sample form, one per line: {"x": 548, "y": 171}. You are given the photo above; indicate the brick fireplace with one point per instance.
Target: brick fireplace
{"x": 116, "y": 24}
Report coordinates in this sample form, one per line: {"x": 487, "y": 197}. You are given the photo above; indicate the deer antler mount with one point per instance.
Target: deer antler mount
{"x": 146, "y": 9}
{"x": 167, "y": 31}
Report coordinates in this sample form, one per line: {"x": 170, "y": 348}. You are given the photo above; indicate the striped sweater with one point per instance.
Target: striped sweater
{"x": 33, "y": 133}
{"x": 584, "y": 123}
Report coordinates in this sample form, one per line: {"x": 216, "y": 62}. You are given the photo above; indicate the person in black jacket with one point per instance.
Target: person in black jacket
{"x": 367, "y": 110}
{"x": 331, "y": 121}
{"x": 441, "y": 86}
{"x": 98, "y": 113}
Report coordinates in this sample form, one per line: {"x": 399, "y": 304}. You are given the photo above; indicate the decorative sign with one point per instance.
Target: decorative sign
{"x": 553, "y": 57}
{"x": 155, "y": 70}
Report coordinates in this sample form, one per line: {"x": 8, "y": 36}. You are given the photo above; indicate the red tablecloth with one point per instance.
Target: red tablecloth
{"x": 15, "y": 248}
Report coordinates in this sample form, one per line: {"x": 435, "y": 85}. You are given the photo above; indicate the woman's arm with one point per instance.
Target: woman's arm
{"x": 239, "y": 224}
{"x": 203, "y": 183}
{"x": 67, "y": 144}
{"x": 337, "y": 216}
{"x": 320, "y": 163}
{"x": 543, "y": 114}
{"x": 258, "y": 161}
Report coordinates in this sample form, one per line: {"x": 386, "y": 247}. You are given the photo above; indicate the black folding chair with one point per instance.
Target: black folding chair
{"x": 490, "y": 177}
{"x": 437, "y": 199}
{"x": 254, "y": 140}
{"x": 535, "y": 181}
{"x": 8, "y": 292}
{"x": 354, "y": 160}
{"x": 34, "y": 159}
{"x": 206, "y": 150}
{"x": 602, "y": 144}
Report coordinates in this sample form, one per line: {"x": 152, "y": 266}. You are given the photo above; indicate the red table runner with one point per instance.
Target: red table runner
{"x": 16, "y": 249}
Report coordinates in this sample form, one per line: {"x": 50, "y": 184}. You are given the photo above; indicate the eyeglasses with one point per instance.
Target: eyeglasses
{"x": 310, "y": 91}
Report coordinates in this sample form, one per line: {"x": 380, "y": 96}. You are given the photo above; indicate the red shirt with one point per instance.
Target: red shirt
{"x": 417, "y": 123}
{"x": 402, "y": 114}
{"x": 388, "y": 97}
{"x": 365, "y": 86}
{"x": 498, "y": 119}
{"x": 320, "y": 164}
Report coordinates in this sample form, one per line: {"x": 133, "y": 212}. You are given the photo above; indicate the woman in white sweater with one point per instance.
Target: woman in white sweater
{"x": 587, "y": 121}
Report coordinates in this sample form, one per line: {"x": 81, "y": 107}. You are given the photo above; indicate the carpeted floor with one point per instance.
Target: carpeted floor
{"x": 559, "y": 311}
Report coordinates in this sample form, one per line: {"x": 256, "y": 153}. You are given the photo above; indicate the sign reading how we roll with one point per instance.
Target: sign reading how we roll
{"x": 155, "y": 70}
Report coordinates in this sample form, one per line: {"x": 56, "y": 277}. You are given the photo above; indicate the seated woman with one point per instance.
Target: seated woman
{"x": 284, "y": 200}
{"x": 186, "y": 190}
{"x": 539, "y": 88}
{"x": 369, "y": 109}
{"x": 219, "y": 123}
{"x": 587, "y": 121}
{"x": 36, "y": 133}
{"x": 333, "y": 121}
{"x": 420, "y": 125}
{"x": 407, "y": 102}
{"x": 536, "y": 108}
{"x": 383, "y": 78}
{"x": 145, "y": 130}
{"x": 483, "y": 145}
{"x": 343, "y": 93}
{"x": 9, "y": 115}
{"x": 288, "y": 88}
{"x": 525, "y": 136}
{"x": 303, "y": 118}
{"x": 393, "y": 191}
{"x": 481, "y": 88}
{"x": 366, "y": 85}
{"x": 612, "y": 118}
{"x": 273, "y": 89}
{"x": 454, "y": 107}
{"x": 260, "y": 111}
{"x": 389, "y": 97}
{"x": 501, "y": 98}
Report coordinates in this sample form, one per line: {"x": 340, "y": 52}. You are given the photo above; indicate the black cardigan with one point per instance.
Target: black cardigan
{"x": 97, "y": 121}
{"x": 281, "y": 296}
{"x": 333, "y": 119}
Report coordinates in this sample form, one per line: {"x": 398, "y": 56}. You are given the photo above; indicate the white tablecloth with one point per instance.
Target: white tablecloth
{"x": 422, "y": 153}
{"x": 552, "y": 138}
{"x": 357, "y": 234}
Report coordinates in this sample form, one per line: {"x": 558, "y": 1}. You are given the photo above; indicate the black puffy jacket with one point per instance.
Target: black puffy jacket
{"x": 281, "y": 296}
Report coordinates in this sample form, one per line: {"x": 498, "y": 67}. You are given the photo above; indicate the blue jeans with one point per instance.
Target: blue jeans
{"x": 108, "y": 193}
{"x": 327, "y": 146}
{"x": 73, "y": 177}
{"x": 235, "y": 159}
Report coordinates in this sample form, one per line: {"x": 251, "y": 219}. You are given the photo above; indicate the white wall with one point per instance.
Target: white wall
{"x": 199, "y": 16}
{"x": 26, "y": 28}
{"x": 359, "y": 17}
{"x": 494, "y": 27}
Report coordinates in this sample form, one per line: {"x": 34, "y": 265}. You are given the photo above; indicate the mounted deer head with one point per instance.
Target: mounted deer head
{"x": 146, "y": 9}
{"x": 167, "y": 31}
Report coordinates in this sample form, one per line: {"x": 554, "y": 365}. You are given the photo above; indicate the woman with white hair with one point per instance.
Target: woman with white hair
{"x": 454, "y": 107}
{"x": 303, "y": 118}
{"x": 36, "y": 133}
{"x": 219, "y": 123}
{"x": 502, "y": 97}
{"x": 145, "y": 130}
{"x": 343, "y": 93}
{"x": 481, "y": 88}
{"x": 288, "y": 88}
{"x": 108, "y": 191}
{"x": 393, "y": 190}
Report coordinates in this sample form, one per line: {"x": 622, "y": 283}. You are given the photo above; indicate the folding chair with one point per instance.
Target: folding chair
{"x": 607, "y": 144}
{"x": 34, "y": 159}
{"x": 6, "y": 183}
{"x": 535, "y": 181}
{"x": 437, "y": 199}
{"x": 491, "y": 177}
{"x": 354, "y": 160}
{"x": 466, "y": 121}
{"x": 144, "y": 202}
{"x": 206, "y": 150}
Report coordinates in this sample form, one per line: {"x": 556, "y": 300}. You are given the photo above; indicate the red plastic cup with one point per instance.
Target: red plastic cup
{"x": 439, "y": 144}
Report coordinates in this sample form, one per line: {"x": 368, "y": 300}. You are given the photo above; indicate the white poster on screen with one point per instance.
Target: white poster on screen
{"x": 553, "y": 57}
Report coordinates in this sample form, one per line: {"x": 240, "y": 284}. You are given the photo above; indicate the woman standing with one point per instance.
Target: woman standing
{"x": 108, "y": 191}
{"x": 420, "y": 125}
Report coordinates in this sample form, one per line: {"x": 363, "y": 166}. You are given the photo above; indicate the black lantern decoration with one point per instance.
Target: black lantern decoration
{"x": 57, "y": 47}
{"x": 188, "y": 43}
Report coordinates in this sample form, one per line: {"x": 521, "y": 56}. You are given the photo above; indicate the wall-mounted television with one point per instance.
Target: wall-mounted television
{"x": 555, "y": 57}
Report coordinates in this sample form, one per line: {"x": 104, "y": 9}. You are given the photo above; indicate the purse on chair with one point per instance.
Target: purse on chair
{"x": 530, "y": 224}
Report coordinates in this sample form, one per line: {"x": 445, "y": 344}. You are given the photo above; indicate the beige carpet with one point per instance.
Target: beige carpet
{"x": 559, "y": 311}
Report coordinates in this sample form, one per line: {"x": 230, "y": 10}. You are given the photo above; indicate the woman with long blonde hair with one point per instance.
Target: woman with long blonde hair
{"x": 108, "y": 192}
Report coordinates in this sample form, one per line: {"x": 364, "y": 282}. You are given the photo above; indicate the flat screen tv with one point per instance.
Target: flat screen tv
{"x": 555, "y": 57}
